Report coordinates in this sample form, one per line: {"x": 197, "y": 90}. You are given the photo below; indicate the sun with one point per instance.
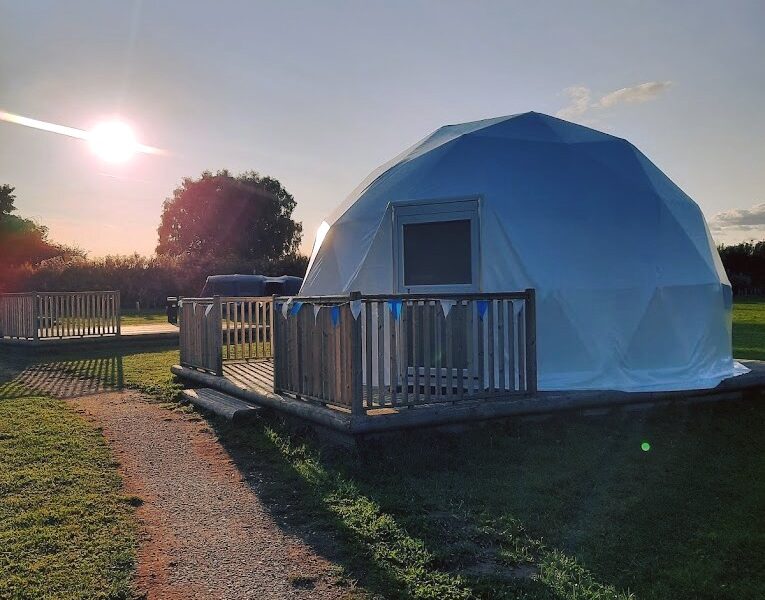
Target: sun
{"x": 113, "y": 141}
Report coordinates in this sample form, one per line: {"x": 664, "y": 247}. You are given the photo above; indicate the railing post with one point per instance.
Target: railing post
{"x": 35, "y": 316}
{"x": 218, "y": 336}
{"x": 118, "y": 311}
{"x": 274, "y": 344}
{"x": 357, "y": 379}
{"x": 531, "y": 341}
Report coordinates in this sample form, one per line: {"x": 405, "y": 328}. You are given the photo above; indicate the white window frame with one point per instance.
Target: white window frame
{"x": 434, "y": 211}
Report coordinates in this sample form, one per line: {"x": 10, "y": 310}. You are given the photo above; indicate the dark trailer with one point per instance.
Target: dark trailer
{"x": 238, "y": 286}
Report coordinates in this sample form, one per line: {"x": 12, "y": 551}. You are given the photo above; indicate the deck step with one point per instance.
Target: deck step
{"x": 229, "y": 407}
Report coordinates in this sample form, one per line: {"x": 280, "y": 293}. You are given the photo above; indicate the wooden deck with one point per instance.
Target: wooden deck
{"x": 255, "y": 375}
{"x": 253, "y": 382}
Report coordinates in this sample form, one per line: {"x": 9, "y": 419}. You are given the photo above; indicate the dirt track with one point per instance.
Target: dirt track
{"x": 204, "y": 532}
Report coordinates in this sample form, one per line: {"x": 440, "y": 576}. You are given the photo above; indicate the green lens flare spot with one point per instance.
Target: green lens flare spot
{"x": 645, "y": 446}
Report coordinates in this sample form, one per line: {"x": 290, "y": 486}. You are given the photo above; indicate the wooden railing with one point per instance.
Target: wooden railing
{"x": 369, "y": 352}
{"x": 247, "y": 324}
{"x": 199, "y": 336}
{"x": 317, "y": 354}
{"x": 41, "y": 315}
{"x": 214, "y": 330}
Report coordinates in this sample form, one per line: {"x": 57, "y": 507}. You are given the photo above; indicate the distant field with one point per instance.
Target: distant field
{"x": 749, "y": 328}
{"x": 131, "y": 316}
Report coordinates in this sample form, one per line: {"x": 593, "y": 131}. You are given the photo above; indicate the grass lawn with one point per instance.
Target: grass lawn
{"x": 749, "y": 328}
{"x": 130, "y": 316}
{"x": 65, "y": 529}
{"x": 570, "y": 507}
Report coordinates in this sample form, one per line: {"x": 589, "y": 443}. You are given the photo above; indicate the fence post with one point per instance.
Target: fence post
{"x": 357, "y": 387}
{"x": 274, "y": 343}
{"x": 35, "y": 316}
{"x": 218, "y": 335}
{"x": 531, "y": 340}
{"x": 118, "y": 310}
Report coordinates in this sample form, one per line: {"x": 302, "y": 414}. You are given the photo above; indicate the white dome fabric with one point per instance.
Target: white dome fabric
{"x": 631, "y": 292}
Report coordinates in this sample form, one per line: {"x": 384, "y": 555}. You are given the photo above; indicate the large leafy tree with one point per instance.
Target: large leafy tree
{"x": 247, "y": 216}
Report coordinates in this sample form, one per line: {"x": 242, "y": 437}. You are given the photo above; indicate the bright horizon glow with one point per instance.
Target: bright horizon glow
{"x": 112, "y": 141}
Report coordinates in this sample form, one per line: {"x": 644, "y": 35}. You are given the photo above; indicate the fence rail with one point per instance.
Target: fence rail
{"x": 369, "y": 352}
{"x": 44, "y": 315}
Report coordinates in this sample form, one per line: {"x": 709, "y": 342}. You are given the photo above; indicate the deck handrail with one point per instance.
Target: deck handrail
{"x": 396, "y": 350}
{"x": 65, "y": 314}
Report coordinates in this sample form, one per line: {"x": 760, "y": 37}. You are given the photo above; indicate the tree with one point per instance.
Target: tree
{"x": 21, "y": 240}
{"x": 222, "y": 216}
{"x": 7, "y": 198}
{"x": 745, "y": 264}
{"x": 24, "y": 244}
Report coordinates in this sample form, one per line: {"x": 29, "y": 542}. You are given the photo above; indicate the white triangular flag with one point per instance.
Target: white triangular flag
{"x": 208, "y": 309}
{"x": 286, "y": 307}
{"x": 316, "y": 309}
{"x": 446, "y": 306}
{"x": 355, "y": 308}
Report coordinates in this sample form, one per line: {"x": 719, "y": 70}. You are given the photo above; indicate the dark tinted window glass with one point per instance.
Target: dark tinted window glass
{"x": 437, "y": 253}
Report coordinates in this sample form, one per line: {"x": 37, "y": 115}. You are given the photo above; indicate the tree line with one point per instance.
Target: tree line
{"x": 217, "y": 223}
{"x": 745, "y": 265}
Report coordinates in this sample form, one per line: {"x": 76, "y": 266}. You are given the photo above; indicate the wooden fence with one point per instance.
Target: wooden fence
{"x": 214, "y": 330}
{"x": 369, "y": 352}
{"x": 43, "y": 315}
{"x": 199, "y": 336}
{"x": 247, "y": 324}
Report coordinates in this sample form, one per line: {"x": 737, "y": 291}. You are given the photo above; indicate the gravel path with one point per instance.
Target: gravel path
{"x": 204, "y": 532}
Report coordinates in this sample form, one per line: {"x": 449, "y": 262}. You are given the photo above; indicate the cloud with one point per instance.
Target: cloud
{"x": 635, "y": 94}
{"x": 579, "y": 101}
{"x": 739, "y": 219}
{"x": 580, "y": 98}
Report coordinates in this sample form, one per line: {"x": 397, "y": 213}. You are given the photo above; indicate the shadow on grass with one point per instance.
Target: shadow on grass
{"x": 70, "y": 374}
{"x": 665, "y": 502}
{"x": 403, "y": 513}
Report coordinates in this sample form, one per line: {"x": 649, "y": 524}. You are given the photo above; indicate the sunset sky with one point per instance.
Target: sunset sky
{"x": 317, "y": 94}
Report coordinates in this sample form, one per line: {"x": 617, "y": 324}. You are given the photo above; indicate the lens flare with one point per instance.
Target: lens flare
{"x": 113, "y": 141}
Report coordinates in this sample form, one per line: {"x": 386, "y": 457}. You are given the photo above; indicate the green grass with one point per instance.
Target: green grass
{"x": 143, "y": 317}
{"x": 65, "y": 529}
{"x": 665, "y": 503}
{"x": 571, "y": 507}
{"x": 146, "y": 369}
{"x": 749, "y": 328}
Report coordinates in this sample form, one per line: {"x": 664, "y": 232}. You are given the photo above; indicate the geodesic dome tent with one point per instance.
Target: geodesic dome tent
{"x": 631, "y": 293}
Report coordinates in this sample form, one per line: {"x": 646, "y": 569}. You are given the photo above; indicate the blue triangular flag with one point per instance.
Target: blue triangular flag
{"x": 295, "y": 308}
{"x": 483, "y": 306}
{"x": 335, "y": 314}
{"x": 395, "y": 308}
